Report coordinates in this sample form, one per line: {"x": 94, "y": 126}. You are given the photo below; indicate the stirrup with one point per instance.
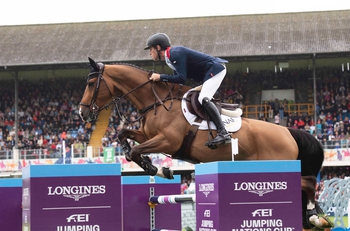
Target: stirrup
{"x": 219, "y": 139}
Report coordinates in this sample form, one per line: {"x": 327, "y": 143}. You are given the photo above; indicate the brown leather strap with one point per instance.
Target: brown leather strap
{"x": 160, "y": 101}
{"x": 183, "y": 152}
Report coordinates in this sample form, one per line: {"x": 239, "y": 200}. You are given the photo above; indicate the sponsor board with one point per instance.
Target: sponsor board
{"x": 241, "y": 196}
{"x": 11, "y": 204}
{"x": 72, "y": 198}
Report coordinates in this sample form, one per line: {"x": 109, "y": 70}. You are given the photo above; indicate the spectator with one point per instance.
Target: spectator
{"x": 277, "y": 118}
{"x": 281, "y": 109}
{"x": 271, "y": 104}
{"x": 301, "y": 123}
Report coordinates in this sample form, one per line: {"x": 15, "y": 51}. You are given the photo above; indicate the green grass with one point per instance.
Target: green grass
{"x": 345, "y": 219}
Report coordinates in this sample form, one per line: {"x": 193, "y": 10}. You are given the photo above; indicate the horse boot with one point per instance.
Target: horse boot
{"x": 222, "y": 137}
{"x": 126, "y": 149}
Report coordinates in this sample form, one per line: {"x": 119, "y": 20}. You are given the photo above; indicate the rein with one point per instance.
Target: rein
{"x": 145, "y": 110}
{"x": 158, "y": 101}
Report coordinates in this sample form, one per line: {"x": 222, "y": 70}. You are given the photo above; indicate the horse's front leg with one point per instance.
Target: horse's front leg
{"x": 155, "y": 145}
{"x": 125, "y": 134}
{"x": 135, "y": 153}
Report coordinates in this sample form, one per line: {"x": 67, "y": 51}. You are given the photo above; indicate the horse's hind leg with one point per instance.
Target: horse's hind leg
{"x": 308, "y": 199}
{"x": 311, "y": 209}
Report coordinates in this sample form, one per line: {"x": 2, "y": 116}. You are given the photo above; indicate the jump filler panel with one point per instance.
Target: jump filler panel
{"x": 71, "y": 197}
{"x": 248, "y": 195}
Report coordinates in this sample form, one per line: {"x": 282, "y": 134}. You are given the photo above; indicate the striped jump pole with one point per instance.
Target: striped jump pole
{"x": 172, "y": 199}
{"x": 167, "y": 199}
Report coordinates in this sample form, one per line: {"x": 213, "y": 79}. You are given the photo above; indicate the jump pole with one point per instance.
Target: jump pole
{"x": 172, "y": 199}
{"x": 168, "y": 199}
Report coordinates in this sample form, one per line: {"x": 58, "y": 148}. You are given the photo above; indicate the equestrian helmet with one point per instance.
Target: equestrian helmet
{"x": 160, "y": 39}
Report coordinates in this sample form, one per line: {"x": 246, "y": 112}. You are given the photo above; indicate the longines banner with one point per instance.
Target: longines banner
{"x": 248, "y": 195}
{"x": 71, "y": 197}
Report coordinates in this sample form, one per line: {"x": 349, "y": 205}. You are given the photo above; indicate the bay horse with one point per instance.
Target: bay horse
{"x": 164, "y": 129}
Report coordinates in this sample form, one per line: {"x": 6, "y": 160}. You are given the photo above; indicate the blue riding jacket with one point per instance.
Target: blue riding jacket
{"x": 188, "y": 63}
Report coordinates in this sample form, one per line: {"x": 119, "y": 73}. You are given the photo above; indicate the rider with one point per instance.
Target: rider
{"x": 188, "y": 63}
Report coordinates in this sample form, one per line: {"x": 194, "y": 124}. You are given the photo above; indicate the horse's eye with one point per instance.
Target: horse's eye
{"x": 90, "y": 84}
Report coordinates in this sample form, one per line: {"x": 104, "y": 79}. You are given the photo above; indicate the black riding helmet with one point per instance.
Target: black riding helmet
{"x": 160, "y": 39}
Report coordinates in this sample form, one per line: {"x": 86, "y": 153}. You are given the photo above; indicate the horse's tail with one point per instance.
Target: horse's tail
{"x": 310, "y": 154}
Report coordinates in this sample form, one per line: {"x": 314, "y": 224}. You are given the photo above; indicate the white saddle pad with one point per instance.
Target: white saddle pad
{"x": 232, "y": 119}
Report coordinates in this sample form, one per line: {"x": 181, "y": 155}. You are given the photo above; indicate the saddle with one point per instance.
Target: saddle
{"x": 196, "y": 108}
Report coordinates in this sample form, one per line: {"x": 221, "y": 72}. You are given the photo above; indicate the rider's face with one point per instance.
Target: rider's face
{"x": 153, "y": 53}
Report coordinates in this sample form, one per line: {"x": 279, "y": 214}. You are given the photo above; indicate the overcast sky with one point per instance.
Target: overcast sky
{"x": 19, "y": 12}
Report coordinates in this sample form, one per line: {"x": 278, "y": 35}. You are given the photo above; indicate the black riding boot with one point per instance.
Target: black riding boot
{"x": 223, "y": 137}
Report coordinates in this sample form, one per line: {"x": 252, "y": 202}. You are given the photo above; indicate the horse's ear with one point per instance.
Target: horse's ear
{"x": 93, "y": 66}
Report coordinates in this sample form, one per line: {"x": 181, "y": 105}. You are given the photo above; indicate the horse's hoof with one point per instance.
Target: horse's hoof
{"x": 128, "y": 157}
{"x": 321, "y": 222}
{"x": 168, "y": 173}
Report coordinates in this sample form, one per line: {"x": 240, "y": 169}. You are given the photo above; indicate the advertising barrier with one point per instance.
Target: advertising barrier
{"x": 71, "y": 197}
{"x": 11, "y": 206}
{"x": 248, "y": 195}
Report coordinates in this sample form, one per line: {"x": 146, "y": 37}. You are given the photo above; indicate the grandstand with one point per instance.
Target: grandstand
{"x": 294, "y": 56}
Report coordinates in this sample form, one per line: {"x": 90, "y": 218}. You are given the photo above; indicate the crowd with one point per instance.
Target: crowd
{"x": 332, "y": 126}
{"x": 48, "y": 109}
{"x": 47, "y": 114}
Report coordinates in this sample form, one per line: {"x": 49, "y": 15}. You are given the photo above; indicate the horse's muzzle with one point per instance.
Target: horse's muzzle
{"x": 86, "y": 115}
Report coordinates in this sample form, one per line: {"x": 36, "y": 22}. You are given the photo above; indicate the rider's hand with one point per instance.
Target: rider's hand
{"x": 155, "y": 77}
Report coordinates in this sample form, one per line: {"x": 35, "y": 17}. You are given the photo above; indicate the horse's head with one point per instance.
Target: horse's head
{"x": 107, "y": 84}
{"x": 96, "y": 95}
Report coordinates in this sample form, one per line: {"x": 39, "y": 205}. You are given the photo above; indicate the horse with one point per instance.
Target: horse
{"x": 164, "y": 129}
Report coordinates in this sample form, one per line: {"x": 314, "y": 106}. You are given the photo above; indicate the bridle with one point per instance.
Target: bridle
{"x": 95, "y": 109}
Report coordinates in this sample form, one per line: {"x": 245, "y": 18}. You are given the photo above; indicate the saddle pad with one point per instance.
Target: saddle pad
{"x": 232, "y": 124}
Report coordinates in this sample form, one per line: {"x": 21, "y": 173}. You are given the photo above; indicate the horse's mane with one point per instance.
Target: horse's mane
{"x": 131, "y": 65}
{"x": 142, "y": 69}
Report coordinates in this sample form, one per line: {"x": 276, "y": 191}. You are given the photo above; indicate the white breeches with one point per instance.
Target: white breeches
{"x": 211, "y": 86}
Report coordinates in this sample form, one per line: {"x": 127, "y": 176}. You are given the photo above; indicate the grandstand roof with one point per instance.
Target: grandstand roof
{"x": 224, "y": 36}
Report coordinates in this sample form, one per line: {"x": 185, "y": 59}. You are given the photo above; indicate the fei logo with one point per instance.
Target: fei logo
{"x": 78, "y": 218}
{"x": 262, "y": 213}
